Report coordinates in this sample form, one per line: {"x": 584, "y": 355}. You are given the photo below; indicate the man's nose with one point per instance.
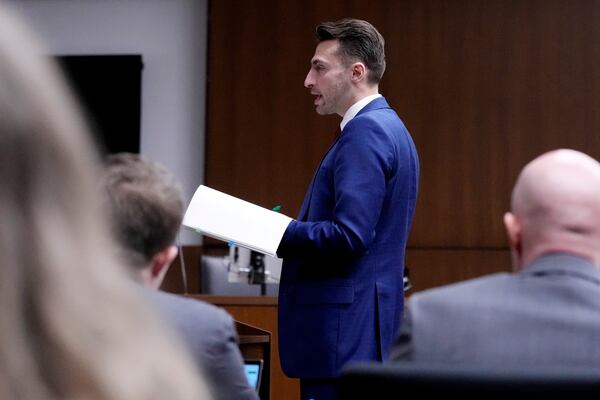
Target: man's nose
{"x": 308, "y": 81}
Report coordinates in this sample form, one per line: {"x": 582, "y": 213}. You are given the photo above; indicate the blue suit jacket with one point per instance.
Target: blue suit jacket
{"x": 341, "y": 289}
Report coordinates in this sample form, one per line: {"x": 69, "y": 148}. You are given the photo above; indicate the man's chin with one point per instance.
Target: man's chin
{"x": 322, "y": 111}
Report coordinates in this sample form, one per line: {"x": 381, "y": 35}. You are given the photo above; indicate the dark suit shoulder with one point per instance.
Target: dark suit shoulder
{"x": 194, "y": 313}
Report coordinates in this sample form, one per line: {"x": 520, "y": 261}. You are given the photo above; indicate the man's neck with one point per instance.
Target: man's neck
{"x": 356, "y": 108}
{"x": 145, "y": 277}
{"x": 359, "y": 94}
{"x": 369, "y": 91}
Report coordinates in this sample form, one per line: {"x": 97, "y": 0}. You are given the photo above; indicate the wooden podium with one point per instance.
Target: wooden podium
{"x": 255, "y": 344}
{"x": 256, "y": 319}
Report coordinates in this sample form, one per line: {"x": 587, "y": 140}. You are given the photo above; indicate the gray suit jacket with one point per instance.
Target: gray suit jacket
{"x": 548, "y": 314}
{"x": 209, "y": 333}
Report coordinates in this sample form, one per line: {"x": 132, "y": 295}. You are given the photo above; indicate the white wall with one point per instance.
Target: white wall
{"x": 171, "y": 35}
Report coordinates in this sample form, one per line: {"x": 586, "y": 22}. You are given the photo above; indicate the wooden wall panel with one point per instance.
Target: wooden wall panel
{"x": 483, "y": 86}
{"x": 430, "y": 268}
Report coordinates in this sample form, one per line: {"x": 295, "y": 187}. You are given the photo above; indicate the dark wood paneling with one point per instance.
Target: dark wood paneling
{"x": 483, "y": 86}
{"x": 436, "y": 267}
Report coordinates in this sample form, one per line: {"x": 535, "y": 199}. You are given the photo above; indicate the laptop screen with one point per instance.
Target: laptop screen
{"x": 253, "y": 370}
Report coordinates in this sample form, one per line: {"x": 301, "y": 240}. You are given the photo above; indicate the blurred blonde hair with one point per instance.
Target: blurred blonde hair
{"x": 72, "y": 326}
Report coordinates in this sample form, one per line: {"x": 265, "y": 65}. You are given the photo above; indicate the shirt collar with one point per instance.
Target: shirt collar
{"x": 355, "y": 108}
{"x": 564, "y": 264}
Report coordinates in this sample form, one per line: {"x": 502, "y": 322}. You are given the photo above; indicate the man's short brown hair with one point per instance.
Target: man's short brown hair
{"x": 359, "y": 41}
{"x": 145, "y": 204}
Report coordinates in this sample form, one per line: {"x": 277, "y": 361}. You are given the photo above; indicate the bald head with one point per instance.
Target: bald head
{"x": 556, "y": 207}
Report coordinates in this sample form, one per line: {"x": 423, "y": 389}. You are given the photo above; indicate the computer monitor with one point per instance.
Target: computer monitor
{"x": 253, "y": 370}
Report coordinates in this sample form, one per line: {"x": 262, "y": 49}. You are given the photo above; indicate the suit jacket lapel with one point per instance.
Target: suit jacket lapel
{"x": 378, "y": 103}
{"x": 303, "y": 214}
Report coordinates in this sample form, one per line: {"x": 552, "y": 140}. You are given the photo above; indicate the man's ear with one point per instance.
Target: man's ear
{"x": 160, "y": 265}
{"x": 513, "y": 229}
{"x": 359, "y": 72}
{"x": 513, "y": 232}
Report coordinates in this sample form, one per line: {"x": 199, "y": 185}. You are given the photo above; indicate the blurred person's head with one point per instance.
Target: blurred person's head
{"x": 555, "y": 207}
{"x": 71, "y": 324}
{"x": 145, "y": 204}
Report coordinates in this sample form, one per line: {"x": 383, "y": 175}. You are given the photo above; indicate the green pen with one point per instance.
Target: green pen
{"x": 277, "y": 208}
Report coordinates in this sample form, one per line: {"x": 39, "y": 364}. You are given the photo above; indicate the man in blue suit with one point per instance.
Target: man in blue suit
{"x": 341, "y": 289}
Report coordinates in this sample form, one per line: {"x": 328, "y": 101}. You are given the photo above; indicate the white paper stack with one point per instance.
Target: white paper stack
{"x": 225, "y": 217}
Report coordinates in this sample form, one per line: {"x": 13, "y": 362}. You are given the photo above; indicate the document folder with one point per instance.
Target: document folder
{"x": 228, "y": 218}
